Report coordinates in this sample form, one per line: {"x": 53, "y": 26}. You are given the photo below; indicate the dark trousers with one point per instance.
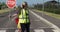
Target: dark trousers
{"x": 25, "y": 27}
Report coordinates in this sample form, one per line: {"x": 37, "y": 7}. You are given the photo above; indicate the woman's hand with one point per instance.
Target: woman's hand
{"x": 14, "y": 15}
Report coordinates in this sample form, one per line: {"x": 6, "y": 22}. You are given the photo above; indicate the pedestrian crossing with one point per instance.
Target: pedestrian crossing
{"x": 35, "y": 30}
{"x": 39, "y": 30}
{"x": 2, "y": 30}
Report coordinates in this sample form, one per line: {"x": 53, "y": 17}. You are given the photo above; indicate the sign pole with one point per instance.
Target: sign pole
{"x": 11, "y": 4}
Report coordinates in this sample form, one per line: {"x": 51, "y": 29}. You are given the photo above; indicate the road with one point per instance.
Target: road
{"x": 37, "y": 24}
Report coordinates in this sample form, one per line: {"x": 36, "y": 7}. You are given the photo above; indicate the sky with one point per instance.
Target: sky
{"x": 30, "y": 2}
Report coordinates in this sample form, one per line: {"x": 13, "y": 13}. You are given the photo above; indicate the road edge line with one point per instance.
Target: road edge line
{"x": 41, "y": 18}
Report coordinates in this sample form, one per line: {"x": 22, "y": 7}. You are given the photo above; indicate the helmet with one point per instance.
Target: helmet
{"x": 24, "y": 4}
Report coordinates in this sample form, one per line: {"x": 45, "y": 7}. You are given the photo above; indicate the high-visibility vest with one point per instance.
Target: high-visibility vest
{"x": 23, "y": 17}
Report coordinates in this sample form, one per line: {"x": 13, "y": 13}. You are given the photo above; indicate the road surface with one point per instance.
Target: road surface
{"x": 37, "y": 24}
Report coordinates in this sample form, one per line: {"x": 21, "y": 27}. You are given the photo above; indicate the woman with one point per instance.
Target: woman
{"x": 24, "y": 18}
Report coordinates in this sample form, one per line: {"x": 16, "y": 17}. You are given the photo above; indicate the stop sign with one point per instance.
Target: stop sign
{"x": 11, "y": 3}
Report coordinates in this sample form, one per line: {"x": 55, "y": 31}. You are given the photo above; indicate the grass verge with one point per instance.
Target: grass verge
{"x": 5, "y": 10}
{"x": 51, "y": 14}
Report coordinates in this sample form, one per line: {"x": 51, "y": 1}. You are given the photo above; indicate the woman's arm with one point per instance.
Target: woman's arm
{"x": 16, "y": 14}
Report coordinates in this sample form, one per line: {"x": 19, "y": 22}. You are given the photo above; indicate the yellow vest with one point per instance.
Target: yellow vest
{"x": 23, "y": 17}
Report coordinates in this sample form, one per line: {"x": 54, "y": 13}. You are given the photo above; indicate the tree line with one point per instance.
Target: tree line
{"x": 50, "y": 6}
{"x": 3, "y": 5}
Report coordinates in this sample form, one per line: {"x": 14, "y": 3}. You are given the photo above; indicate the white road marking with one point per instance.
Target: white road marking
{"x": 16, "y": 30}
{"x": 39, "y": 30}
{"x": 46, "y": 21}
{"x": 35, "y": 30}
{"x": 55, "y": 31}
{"x": 6, "y": 30}
{"x": 2, "y": 30}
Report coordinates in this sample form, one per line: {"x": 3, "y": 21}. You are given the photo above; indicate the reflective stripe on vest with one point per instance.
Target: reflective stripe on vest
{"x": 23, "y": 17}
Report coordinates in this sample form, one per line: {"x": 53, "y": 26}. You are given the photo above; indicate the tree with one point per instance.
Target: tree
{"x": 0, "y": 5}
{"x": 3, "y": 5}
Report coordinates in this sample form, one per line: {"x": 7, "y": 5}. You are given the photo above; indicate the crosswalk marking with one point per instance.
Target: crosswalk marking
{"x": 2, "y": 30}
{"x": 39, "y": 30}
{"x": 16, "y": 30}
{"x": 55, "y": 31}
{"x": 35, "y": 30}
